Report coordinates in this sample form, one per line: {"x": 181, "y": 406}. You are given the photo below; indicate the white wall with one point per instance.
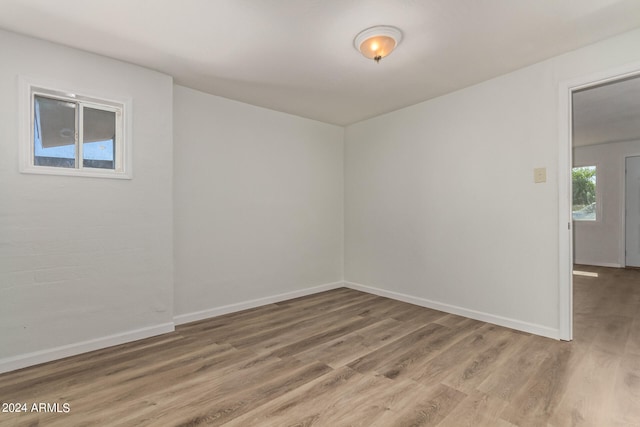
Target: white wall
{"x": 84, "y": 262}
{"x": 601, "y": 242}
{"x": 258, "y": 204}
{"x": 441, "y": 207}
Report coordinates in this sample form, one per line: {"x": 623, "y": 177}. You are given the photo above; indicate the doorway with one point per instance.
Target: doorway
{"x": 566, "y": 163}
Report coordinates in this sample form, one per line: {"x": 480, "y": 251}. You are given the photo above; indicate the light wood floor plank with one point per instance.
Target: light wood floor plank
{"x": 460, "y": 357}
{"x": 328, "y": 400}
{"x": 414, "y": 356}
{"x": 514, "y": 373}
{"x": 477, "y": 410}
{"x": 537, "y": 400}
{"x": 397, "y": 349}
{"x": 426, "y": 408}
{"x": 625, "y": 396}
{"x": 586, "y": 400}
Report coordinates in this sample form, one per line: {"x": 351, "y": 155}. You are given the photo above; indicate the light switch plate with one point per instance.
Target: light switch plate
{"x": 539, "y": 175}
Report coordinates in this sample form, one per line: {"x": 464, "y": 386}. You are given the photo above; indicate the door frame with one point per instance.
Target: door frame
{"x": 624, "y": 208}
{"x": 565, "y": 161}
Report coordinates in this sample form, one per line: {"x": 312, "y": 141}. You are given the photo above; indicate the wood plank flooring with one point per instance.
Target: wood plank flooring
{"x": 346, "y": 358}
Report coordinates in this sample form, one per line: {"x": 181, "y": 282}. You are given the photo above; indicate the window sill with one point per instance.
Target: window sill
{"x": 87, "y": 173}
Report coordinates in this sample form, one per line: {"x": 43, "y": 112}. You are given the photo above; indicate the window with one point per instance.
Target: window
{"x": 73, "y": 134}
{"x": 584, "y": 193}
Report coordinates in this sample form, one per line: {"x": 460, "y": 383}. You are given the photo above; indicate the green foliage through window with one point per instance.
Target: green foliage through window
{"x": 584, "y": 193}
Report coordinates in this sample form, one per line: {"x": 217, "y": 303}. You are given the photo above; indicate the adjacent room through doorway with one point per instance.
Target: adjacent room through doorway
{"x": 605, "y": 193}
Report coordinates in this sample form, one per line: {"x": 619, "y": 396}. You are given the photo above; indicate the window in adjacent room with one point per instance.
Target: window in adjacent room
{"x": 72, "y": 134}
{"x": 584, "y": 193}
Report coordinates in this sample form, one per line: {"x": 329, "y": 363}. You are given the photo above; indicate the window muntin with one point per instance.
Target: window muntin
{"x": 584, "y": 184}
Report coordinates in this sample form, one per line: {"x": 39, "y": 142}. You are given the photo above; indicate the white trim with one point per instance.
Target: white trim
{"x": 565, "y": 235}
{"x": 48, "y": 355}
{"x": 623, "y": 210}
{"x": 598, "y": 264}
{"x": 181, "y": 319}
{"x": 622, "y": 247}
{"x": 42, "y": 356}
{"x": 623, "y": 240}
{"x": 533, "y": 328}
{"x": 565, "y": 223}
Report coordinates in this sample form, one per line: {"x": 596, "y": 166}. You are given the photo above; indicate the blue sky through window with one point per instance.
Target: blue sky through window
{"x": 98, "y": 150}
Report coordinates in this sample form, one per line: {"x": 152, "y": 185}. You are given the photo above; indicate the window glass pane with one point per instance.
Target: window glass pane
{"x": 584, "y": 193}
{"x": 54, "y": 132}
{"x": 99, "y": 138}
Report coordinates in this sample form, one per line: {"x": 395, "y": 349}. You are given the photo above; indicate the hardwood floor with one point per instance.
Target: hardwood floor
{"x": 346, "y": 358}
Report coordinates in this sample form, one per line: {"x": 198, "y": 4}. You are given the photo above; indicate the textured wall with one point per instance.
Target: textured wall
{"x": 82, "y": 259}
{"x": 258, "y": 202}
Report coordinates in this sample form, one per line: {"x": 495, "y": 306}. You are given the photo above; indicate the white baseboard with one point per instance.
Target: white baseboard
{"x": 472, "y": 314}
{"x": 598, "y": 264}
{"x": 48, "y": 355}
{"x": 181, "y": 319}
{"x": 43, "y": 356}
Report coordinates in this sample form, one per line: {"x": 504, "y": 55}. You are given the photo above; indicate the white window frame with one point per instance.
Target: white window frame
{"x": 29, "y": 88}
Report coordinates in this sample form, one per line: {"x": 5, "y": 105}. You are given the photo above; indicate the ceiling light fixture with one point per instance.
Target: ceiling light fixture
{"x": 377, "y": 42}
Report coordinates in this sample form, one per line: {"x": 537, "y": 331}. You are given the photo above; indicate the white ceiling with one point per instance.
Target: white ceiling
{"x": 607, "y": 113}
{"x": 297, "y": 56}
